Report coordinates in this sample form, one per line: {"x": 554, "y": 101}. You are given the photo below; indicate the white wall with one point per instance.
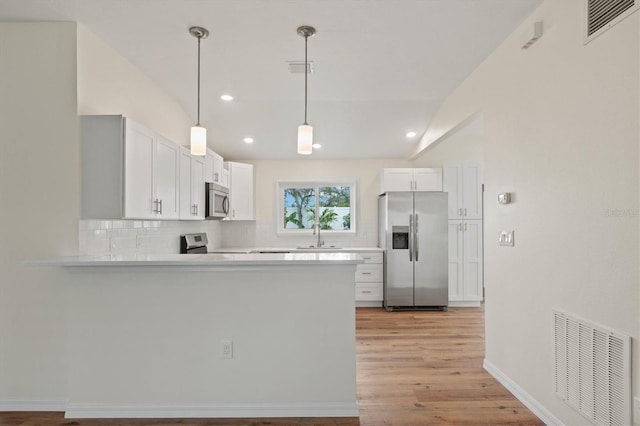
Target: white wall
{"x": 561, "y": 124}
{"x": 50, "y": 72}
{"x": 262, "y": 232}
{"x": 40, "y": 190}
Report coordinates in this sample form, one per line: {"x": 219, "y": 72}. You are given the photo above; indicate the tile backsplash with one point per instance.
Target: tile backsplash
{"x": 103, "y": 237}
{"x": 263, "y": 234}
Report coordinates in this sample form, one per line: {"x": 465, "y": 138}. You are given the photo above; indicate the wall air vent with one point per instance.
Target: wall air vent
{"x": 297, "y": 67}
{"x": 592, "y": 370}
{"x": 604, "y": 14}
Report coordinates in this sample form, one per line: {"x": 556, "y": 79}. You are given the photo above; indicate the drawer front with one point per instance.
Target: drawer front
{"x": 369, "y": 292}
{"x": 369, "y": 273}
{"x": 371, "y": 257}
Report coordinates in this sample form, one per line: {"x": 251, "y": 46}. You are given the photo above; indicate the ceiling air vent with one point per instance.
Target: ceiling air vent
{"x": 297, "y": 67}
{"x": 603, "y": 14}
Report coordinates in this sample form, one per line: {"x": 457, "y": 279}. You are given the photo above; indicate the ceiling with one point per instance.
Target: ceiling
{"x": 381, "y": 67}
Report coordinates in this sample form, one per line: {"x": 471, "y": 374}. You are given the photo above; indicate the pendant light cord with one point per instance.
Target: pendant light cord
{"x": 198, "y": 122}
{"x": 306, "y": 71}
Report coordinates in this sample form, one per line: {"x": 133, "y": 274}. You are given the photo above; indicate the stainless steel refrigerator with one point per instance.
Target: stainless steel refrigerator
{"x": 413, "y": 233}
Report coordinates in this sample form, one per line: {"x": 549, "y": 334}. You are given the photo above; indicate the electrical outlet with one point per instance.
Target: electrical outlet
{"x": 226, "y": 348}
{"x": 636, "y": 411}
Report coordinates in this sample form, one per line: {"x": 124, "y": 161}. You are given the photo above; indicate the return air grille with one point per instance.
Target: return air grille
{"x": 592, "y": 370}
{"x": 603, "y": 12}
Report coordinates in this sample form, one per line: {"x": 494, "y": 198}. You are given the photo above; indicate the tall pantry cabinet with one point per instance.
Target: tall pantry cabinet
{"x": 463, "y": 181}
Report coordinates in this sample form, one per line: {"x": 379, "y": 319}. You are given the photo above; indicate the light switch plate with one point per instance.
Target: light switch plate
{"x": 506, "y": 238}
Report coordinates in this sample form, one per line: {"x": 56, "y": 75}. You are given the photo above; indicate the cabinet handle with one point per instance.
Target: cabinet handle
{"x": 366, "y": 273}
{"x": 465, "y": 226}
{"x": 460, "y": 212}
{"x": 460, "y": 227}
{"x": 196, "y": 210}
{"x": 233, "y": 214}
{"x": 415, "y": 185}
{"x": 160, "y": 204}
{"x": 465, "y": 211}
{"x": 366, "y": 291}
{"x": 156, "y": 206}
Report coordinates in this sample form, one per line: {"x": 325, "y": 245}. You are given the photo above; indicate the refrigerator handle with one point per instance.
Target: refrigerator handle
{"x": 410, "y": 238}
{"x": 416, "y": 243}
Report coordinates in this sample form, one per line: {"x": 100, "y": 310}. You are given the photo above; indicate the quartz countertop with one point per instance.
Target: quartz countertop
{"x": 237, "y": 259}
{"x": 306, "y": 249}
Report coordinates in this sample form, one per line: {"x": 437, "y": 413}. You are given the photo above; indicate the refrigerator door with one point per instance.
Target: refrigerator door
{"x": 398, "y": 283}
{"x": 431, "y": 249}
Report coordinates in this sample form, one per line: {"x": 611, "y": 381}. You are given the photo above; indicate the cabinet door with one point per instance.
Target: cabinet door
{"x": 208, "y": 166}
{"x": 197, "y": 187}
{"x": 167, "y": 178}
{"x": 456, "y": 257}
{"x": 472, "y": 259}
{"x": 427, "y": 179}
{"x": 217, "y": 169}
{"x": 241, "y": 192}
{"x": 452, "y": 183}
{"x": 186, "y": 209}
{"x": 396, "y": 180}
{"x": 472, "y": 191}
{"x": 139, "y": 193}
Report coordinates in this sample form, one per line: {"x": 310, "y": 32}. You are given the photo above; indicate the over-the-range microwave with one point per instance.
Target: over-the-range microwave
{"x": 217, "y": 205}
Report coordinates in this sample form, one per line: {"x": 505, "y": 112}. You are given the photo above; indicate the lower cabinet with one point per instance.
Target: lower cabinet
{"x": 369, "y": 277}
{"x": 465, "y": 263}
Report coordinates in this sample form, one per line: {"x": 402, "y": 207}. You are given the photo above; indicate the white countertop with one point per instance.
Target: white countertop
{"x": 238, "y": 259}
{"x": 325, "y": 249}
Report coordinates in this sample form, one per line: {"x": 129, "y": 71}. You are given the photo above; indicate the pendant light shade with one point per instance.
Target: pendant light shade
{"x": 305, "y": 131}
{"x": 198, "y": 133}
{"x": 198, "y": 140}
{"x": 305, "y": 139}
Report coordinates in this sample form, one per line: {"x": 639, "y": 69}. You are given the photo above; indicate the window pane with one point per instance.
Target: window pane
{"x": 299, "y": 208}
{"x": 335, "y": 208}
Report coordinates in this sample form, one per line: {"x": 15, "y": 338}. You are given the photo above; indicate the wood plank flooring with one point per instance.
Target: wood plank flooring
{"x": 413, "y": 368}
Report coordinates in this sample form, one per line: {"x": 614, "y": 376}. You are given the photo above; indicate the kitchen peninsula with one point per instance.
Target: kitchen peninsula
{"x": 211, "y": 335}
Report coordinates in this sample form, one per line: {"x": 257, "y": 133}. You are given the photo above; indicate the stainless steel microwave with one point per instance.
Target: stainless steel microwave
{"x": 217, "y": 205}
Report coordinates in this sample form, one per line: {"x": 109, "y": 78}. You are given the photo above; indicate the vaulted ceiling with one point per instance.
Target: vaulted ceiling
{"x": 381, "y": 67}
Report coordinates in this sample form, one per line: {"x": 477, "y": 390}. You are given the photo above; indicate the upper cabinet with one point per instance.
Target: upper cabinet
{"x": 463, "y": 181}
{"x": 408, "y": 179}
{"x": 192, "y": 188}
{"x": 214, "y": 170}
{"x": 241, "y": 191}
{"x": 128, "y": 171}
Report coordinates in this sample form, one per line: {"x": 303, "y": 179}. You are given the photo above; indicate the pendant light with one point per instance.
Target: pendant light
{"x": 198, "y": 133}
{"x": 305, "y": 131}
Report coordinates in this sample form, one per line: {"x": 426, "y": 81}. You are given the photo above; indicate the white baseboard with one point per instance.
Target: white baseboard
{"x": 33, "y": 405}
{"x": 368, "y": 304}
{"x": 228, "y": 410}
{"x": 528, "y": 401}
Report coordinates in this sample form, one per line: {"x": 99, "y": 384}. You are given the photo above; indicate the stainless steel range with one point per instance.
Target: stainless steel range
{"x": 193, "y": 243}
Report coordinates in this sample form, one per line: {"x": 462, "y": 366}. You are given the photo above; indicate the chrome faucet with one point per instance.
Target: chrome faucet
{"x": 316, "y": 226}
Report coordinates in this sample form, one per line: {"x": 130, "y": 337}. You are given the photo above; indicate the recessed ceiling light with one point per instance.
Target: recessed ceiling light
{"x": 226, "y": 98}
{"x": 248, "y": 140}
{"x": 411, "y": 134}
{"x": 316, "y": 146}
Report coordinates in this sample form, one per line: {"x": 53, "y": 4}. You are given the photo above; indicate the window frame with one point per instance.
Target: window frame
{"x": 316, "y": 184}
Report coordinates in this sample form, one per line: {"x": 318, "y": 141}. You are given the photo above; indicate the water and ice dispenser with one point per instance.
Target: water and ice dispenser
{"x": 400, "y": 235}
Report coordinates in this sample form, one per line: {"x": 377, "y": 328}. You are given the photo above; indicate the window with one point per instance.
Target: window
{"x": 302, "y": 204}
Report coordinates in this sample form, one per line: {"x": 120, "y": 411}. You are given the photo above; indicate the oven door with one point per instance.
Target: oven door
{"x": 217, "y": 202}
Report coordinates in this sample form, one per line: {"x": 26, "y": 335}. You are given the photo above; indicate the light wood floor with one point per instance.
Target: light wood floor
{"x": 413, "y": 368}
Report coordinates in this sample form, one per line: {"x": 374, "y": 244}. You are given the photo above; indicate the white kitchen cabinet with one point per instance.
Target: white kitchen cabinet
{"x": 369, "y": 278}
{"x": 463, "y": 181}
{"x": 465, "y": 262}
{"x": 408, "y": 179}
{"x": 128, "y": 171}
{"x": 241, "y": 191}
{"x": 214, "y": 169}
{"x": 192, "y": 186}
